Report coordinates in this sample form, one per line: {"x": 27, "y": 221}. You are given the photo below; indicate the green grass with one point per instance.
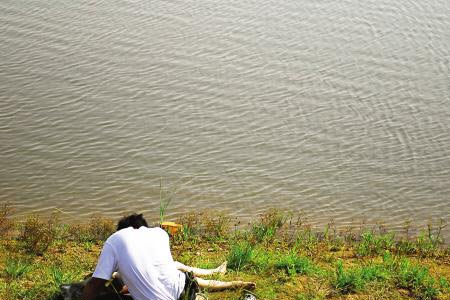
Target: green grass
{"x": 285, "y": 261}
{"x": 347, "y": 281}
{"x": 15, "y": 269}
{"x": 294, "y": 264}
{"x": 372, "y": 244}
{"x": 240, "y": 255}
{"x": 415, "y": 278}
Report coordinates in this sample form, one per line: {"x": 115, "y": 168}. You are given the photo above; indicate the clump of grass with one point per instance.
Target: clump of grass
{"x": 416, "y": 279}
{"x": 347, "y": 281}
{"x": 97, "y": 229}
{"x": 59, "y": 277}
{"x": 412, "y": 277}
{"x": 192, "y": 226}
{"x": 165, "y": 198}
{"x": 374, "y": 245}
{"x": 405, "y": 247}
{"x": 188, "y": 233}
{"x": 37, "y": 235}
{"x": 216, "y": 225}
{"x": 294, "y": 264}
{"x": 424, "y": 246}
{"x": 355, "y": 279}
{"x": 15, "y": 268}
{"x": 268, "y": 225}
{"x": 100, "y": 228}
{"x": 6, "y": 224}
{"x": 307, "y": 240}
{"x": 240, "y": 255}
{"x": 444, "y": 285}
{"x": 428, "y": 243}
{"x": 262, "y": 259}
{"x": 204, "y": 224}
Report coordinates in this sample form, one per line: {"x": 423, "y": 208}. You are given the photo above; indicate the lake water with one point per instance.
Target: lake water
{"x": 337, "y": 108}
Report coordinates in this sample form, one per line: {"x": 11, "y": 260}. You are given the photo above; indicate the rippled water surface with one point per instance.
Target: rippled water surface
{"x": 337, "y": 108}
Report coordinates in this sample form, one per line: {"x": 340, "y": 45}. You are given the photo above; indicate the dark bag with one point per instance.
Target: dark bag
{"x": 191, "y": 287}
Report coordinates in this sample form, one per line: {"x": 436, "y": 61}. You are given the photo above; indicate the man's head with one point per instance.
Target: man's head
{"x": 134, "y": 220}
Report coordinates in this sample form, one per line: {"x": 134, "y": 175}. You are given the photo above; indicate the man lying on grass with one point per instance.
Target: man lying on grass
{"x": 141, "y": 257}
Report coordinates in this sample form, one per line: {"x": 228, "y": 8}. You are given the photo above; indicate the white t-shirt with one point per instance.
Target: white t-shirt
{"x": 143, "y": 259}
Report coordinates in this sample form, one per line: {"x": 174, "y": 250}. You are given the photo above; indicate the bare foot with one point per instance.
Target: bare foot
{"x": 249, "y": 285}
{"x": 244, "y": 285}
{"x": 222, "y": 269}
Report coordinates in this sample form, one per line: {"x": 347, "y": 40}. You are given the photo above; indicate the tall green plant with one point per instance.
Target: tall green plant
{"x": 240, "y": 255}
{"x": 165, "y": 198}
{"x": 16, "y": 268}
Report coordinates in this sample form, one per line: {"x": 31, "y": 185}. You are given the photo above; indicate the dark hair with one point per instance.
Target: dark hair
{"x": 134, "y": 220}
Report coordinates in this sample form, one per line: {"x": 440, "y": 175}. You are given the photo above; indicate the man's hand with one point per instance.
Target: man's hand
{"x": 93, "y": 287}
{"x": 124, "y": 290}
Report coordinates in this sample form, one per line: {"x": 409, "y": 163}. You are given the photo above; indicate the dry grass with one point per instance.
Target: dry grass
{"x": 98, "y": 228}
{"x": 6, "y": 222}
{"x": 37, "y": 234}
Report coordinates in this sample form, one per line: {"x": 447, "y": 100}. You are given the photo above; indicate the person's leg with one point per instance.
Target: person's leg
{"x": 216, "y": 285}
{"x": 202, "y": 272}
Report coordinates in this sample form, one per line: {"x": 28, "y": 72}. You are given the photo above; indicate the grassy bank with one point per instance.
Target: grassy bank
{"x": 284, "y": 256}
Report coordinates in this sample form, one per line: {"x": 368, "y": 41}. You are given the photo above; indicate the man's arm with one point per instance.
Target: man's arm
{"x": 93, "y": 288}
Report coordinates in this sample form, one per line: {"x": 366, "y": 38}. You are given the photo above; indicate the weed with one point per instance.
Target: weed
{"x": 37, "y": 235}
{"x": 427, "y": 243}
{"x": 100, "y": 228}
{"x": 355, "y": 279}
{"x": 97, "y": 229}
{"x": 268, "y": 225}
{"x": 263, "y": 259}
{"x": 15, "y": 269}
{"x": 330, "y": 231}
{"x": 374, "y": 245}
{"x": 294, "y": 264}
{"x": 6, "y": 224}
{"x": 374, "y": 273}
{"x": 306, "y": 240}
{"x": 216, "y": 225}
{"x": 336, "y": 244}
{"x": 192, "y": 226}
{"x": 444, "y": 284}
{"x": 87, "y": 246}
{"x": 240, "y": 255}
{"x": 189, "y": 233}
{"x": 406, "y": 247}
{"x": 412, "y": 277}
{"x": 204, "y": 224}
{"x": 165, "y": 198}
{"x": 347, "y": 281}
{"x": 424, "y": 246}
{"x": 434, "y": 234}
{"x": 59, "y": 277}
{"x": 416, "y": 279}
